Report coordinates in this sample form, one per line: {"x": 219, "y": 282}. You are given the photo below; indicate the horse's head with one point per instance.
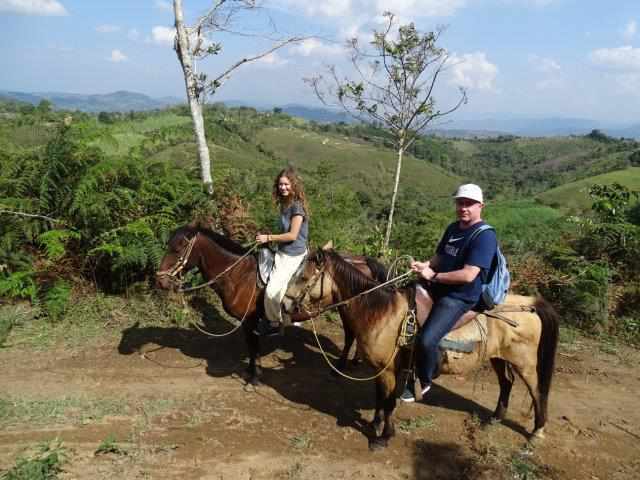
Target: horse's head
{"x": 312, "y": 288}
{"x": 180, "y": 258}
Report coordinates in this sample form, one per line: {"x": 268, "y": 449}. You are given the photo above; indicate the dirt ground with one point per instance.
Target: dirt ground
{"x": 175, "y": 404}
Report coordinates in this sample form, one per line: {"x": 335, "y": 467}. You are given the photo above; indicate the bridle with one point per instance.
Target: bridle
{"x": 175, "y": 272}
{"x": 318, "y": 276}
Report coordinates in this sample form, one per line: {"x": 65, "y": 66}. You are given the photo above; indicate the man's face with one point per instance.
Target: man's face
{"x": 467, "y": 210}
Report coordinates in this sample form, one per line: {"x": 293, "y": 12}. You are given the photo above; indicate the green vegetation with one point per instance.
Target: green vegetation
{"x": 45, "y": 463}
{"x": 300, "y": 442}
{"x": 574, "y": 196}
{"x": 102, "y": 196}
{"x": 110, "y": 446}
{"x": 416, "y": 423}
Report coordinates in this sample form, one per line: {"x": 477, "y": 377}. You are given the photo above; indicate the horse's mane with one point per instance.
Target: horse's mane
{"x": 378, "y": 270}
{"x": 356, "y": 282}
{"x": 226, "y": 243}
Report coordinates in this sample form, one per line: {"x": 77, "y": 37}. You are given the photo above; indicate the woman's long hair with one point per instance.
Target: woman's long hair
{"x": 297, "y": 190}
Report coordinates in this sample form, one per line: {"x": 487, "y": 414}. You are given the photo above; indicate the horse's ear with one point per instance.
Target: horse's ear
{"x": 328, "y": 245}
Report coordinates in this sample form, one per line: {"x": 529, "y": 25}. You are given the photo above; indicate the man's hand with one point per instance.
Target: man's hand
{"x": 423, "y": 269}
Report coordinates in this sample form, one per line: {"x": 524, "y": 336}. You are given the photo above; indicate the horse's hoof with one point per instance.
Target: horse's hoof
{"x": 253, "y": 381}
{"x": 376, "y": 444}
{"x": 377, "y": 428}
{"x": 537, "y": 436}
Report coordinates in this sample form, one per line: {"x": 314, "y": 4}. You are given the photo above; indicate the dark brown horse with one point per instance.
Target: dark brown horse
{"x": 212, "y": 253}
{"x": 376, "y": 320}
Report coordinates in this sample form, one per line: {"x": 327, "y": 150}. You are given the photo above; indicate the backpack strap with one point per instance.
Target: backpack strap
{"x": 472, "y": 237}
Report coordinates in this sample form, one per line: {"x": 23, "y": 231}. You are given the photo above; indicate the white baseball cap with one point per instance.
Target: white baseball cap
{"x": 470, "y": 191}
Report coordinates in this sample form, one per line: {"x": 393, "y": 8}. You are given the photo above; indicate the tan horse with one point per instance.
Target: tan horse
{"x": 376, "y": 320}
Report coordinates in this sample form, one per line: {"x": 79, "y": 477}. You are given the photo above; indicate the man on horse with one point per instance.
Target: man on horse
{"x": 451, "y": 281}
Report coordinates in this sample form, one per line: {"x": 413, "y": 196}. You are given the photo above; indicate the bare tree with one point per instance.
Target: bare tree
{"x": 395, "y": 83}
{"x": 192, "y": 44}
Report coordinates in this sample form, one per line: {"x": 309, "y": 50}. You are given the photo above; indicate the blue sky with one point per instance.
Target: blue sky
{"x": 562, "y": 58}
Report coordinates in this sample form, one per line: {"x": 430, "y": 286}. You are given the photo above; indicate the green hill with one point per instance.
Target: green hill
{"x": 361, "y": 165}
{"x": 574, "y": 196}
{"x": 520, "y": 167}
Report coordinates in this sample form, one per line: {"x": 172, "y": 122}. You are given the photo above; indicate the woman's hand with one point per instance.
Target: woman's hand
{"x": 263, "y": 238}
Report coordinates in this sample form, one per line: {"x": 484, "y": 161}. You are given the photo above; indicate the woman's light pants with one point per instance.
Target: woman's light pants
{"x": 284, "y": 267}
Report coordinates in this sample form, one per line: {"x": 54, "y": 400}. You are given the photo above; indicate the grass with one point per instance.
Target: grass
{"x": 574, "y": 196}
{"x": 110, "y": 446}
{"x": 361, "y": 166}
{"x": 300, "y": 442}
{"x": 522, "y": 466}
{"x": 10, "y": 316}
{"x": 45, "y": 463}
{"x": 92, "y": 318}
{"x": 76, "y": 410}
{"x": 15, "y": 411}
{"x": 416, "y": 423}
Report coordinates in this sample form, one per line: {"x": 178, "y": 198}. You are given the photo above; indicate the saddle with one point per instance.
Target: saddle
{"x": 266, "y": 258}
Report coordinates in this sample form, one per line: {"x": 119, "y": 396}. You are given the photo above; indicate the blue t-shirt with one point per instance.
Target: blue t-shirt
{"x": 299, "y": 245}
{"x": 454, "y": 254}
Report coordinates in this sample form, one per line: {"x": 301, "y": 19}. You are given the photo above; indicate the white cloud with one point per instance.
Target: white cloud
{"x": 552, "y": 83}
{"x": 629, "y": 83}
{"x": 312, "y": 46}
{"x": 473, "y": 71}
{"x": 421, "y": 8}
{"x": 630, "y": 30}
{"x": 117, "y": 56}
{"x": 272, "y": 60}
{"x": 347, "y": 9}
{"x": 164, "y": 5}
{"x": 107, "y": 28}
{"x": 133, "y": 34}
{"x": 163, "y": 35}
{"x": 533, "y": 3}
{"x": 544, "y": 65}
{"x": 33, "y": 7}
{"x": 626, "y": 58}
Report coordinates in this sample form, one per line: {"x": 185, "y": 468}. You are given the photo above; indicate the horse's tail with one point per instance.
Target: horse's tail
{"x": 546, "y": 349}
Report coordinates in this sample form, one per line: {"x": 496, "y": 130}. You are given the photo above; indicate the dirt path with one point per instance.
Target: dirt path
{"x": 182, "y": 411}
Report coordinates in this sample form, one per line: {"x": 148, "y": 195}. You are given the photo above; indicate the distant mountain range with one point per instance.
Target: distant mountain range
{"x": 121, "y": 101}
{"x": 492, "y": 126}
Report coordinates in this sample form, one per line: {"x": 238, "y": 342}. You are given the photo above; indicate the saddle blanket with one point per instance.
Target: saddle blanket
{"x": 465, "y": 338}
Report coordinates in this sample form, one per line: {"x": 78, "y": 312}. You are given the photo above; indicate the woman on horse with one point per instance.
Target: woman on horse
{"x": 288, "y": 194}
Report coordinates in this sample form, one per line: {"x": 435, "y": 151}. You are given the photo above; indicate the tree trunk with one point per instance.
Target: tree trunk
{"x": 183, "y": 51}
{"x": 387, "y": 235}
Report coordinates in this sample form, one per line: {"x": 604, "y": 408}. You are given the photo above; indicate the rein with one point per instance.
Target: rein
{"x": 215, "y": 279}
{"x": 346, "y": 301}
{"x": 318, "y": 275}
{"x": 349, "y": 377}
{"x": 183, "y": 259}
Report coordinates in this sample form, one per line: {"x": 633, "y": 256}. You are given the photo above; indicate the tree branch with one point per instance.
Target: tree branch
{"x": 33, "y": 215}
{"x": 218, "y": 81}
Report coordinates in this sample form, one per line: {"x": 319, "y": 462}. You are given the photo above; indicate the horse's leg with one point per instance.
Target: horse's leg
{"x": 253, "y": 345}
{"x": 348, "y": 343}
{"x": 529, "y": 375}
{"x": 501, "y": 368}
{"x": 376, "y": 423}
{"x": 386, "y": 398}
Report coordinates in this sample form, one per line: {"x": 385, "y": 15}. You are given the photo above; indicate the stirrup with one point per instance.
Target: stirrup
{"x": 267, "y": 328}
